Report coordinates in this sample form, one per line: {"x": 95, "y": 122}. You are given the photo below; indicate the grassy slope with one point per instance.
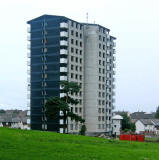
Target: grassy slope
{"x": 36, "y": 145}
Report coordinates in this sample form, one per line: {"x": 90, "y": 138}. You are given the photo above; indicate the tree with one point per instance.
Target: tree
{"x": 83, "y": 130}
{"x": 157, "y": 113}
{"x": 126, "y": 123}
{"x": 54, "y": 105}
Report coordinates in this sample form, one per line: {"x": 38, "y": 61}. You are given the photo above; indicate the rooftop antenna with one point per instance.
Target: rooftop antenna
{"x": 87, "y": 17}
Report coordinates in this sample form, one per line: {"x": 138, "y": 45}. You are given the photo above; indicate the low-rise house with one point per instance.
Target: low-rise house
{"x": 146, "y": 126}
{"x": 116, "y": 122}
{"x": 14, "y": 119}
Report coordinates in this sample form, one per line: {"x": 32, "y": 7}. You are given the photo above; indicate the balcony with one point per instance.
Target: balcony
{"x": 63, "y": 69}
{"x": 28, "y": 55}
{"x": 108, "y": 44}
{"x": 29, "y": 29}
{"x": 63, "y": 34}
{"x": 28, "y": 96}
{"x": 114, "y": 72}
{"x": 113, "y": 100}
{"x": 61, "y": 121}
{"x": 114, "y": 44}
{"x": 63, "y": 60}
{"x": 63, "y": 25}
{"x": 28, "y": 46}
{"x": 63, "y": 52}
{"x": 113, "y": 79}
{"x": 28, "y": 37}
{"x": 113, "y": 86}
{"x": 114, "y": 51}
{"x": 114, "y": 58}
{"x": 114, "y": 65}
{"x": 62, "y": 95}
{"x": 63, "y": 78}
{"x": 63, "y": 43}
{"x": 113, "y": 93}
{"x": 28, "y": 79}
{"x": 108, "y": 36}
{"x": 28, "y": 63}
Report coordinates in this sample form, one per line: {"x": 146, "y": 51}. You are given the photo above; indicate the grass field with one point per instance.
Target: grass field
{"x": 36, "y": 145}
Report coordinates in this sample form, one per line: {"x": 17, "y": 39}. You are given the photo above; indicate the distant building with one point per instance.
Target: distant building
{"x": 63, "y": 49}
{"x": 141, "y": 115}
{"x": 14, "y": 119}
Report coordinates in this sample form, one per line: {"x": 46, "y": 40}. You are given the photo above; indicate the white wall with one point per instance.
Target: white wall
{"x": 116, "y": 126}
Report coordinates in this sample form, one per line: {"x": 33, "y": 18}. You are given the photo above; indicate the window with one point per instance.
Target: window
{"x": 103, "y": 95}
{"x": 102, "y": 126}
{"x": 99, "y": 62}
{"x": 103, "y": 79}
{"x": 103, "y": 71}
{"x": 80, "y": 101}
{"x": 99, "y": 37}
{"x": 72, "y": 67}
{"x": 76, "y": 76}
{"x": 99, "y": 45}
{"x": 76, "y": 34}
{"x": 80, "y": 68}
{"x": 99, "y": 110}
{"x": 72, "y": 75}
{"x": 103, "y": 39}
{"x": 72, "y": 50}
{"x": 72, "y": 41}
{"x": 103, "y": 63}
{"x": 80, "y": 110}
{"x": 99, "y": 86}
{"x": 76, "y": 51}
{"x": 99, "y": 94}
{"x": 103, "y": 86}
{"x": 80, "y": 44}
{"x": 99, "y": 54}
{"x": 80, "y": 35}
{"x": 80, "y": 93}
{"x": 71, "y": 109}
{"x": 103, "y": 102}
{"x": 77, "y": 25}
{"x": 99, "y": 126}
{"x": 71, "y": 126}
{"x": 76, "y": 126}
{"x": 72, "y": 23}
{"x": 103, "y": 55}
{"x": 99, "y": 78}
{"x": 80, "y": 52}
{"x": 80, "y": 77}
{"x": 99, "y": 118}
{"x": 76, "y": 43}
{"x": 76, "y": 109}
{"x": 76, "y": 68}
{"x": 72, "y": 58}
{"x": 81, "y": 60}
{"x": 102, "y": 110}
{"x": 76, "y": 59}
{"x": 99, "y": 70}
{"x": 104, "y": 47}
{"x": 102, "y": 118}
{"x": 72, "y": 32}
{"x": 99, "y": 102}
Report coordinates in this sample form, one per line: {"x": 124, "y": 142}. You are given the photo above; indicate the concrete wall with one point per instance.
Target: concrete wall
{"x": 91, "y": 78}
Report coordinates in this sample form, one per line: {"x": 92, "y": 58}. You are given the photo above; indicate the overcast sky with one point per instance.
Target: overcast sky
{"x": 135, "y": 23}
